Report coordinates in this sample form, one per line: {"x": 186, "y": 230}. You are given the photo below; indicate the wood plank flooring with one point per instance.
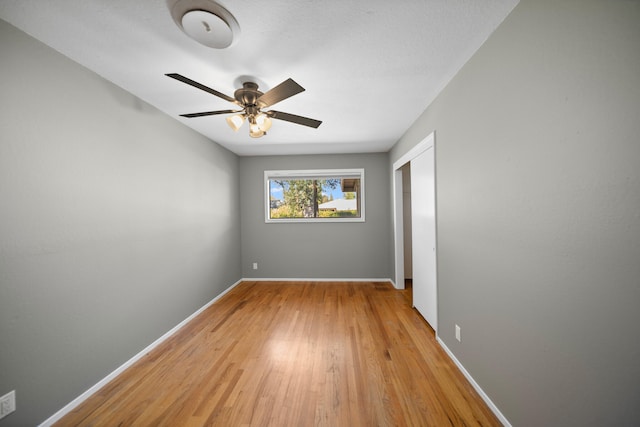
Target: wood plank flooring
{"x": 294, "y": 354}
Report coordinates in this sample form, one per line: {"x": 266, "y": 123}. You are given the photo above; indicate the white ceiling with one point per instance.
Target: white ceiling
{"x": 369, "y": 67}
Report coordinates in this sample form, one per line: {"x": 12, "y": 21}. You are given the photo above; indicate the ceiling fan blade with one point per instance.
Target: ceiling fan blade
{"x": 211, "y": 113}
{"x": 200, "y": 86}
{"x": 284, "y": 90}
{"x": 305, "y": 121}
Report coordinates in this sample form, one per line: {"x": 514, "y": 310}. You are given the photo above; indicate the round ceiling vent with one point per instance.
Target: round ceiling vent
{"x": 205, "y": 21}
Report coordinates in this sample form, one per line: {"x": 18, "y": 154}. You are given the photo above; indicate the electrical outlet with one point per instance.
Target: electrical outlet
{"x": 255, "y": 265}
{"x": 458, "y": 333}
{"x": 7, "y": 403}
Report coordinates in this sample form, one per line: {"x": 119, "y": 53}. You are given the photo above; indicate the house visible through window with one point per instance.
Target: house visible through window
{"x": 314, "y": 195}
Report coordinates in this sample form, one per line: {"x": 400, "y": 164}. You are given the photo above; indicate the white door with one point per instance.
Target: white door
{"x": 423, "y": 223}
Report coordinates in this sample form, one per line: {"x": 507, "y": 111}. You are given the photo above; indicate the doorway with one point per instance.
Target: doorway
{"x": 419, "y": 165}
{"x": 407, "y": 230}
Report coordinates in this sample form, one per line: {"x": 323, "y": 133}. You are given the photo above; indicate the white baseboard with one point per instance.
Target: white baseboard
{"x": 314, "y": 279}
{"x": 84, "y": 396}
{"x": 475, "y": 385}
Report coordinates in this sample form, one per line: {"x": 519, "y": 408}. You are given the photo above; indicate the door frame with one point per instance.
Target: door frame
{"x": 398, "y": 219}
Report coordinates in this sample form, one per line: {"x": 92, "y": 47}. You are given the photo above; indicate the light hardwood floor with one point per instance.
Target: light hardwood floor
{"x": 294, "y": 354}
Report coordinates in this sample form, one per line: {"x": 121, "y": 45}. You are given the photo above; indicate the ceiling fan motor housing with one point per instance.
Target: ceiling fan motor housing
{"x": 248, "y": 95}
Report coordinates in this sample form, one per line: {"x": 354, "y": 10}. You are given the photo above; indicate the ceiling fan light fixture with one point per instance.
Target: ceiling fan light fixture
{"x": 205, "y": 21}
{"x": 263, "y": 121}
{"x": 235, "y": 121}
{"x": 255, "y": 130}
{"x": 256, "y": 133}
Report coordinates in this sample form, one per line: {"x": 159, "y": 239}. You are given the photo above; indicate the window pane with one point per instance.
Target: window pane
{"x": 324, "y": 197}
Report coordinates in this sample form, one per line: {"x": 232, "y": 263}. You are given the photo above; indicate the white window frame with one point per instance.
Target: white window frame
{"x": 308, "y": 174}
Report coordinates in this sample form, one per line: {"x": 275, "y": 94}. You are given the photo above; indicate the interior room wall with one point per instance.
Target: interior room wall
{"x": 321, "y": 250}
{"x": 116, "y": 223}
{"x": 538, "y": 194}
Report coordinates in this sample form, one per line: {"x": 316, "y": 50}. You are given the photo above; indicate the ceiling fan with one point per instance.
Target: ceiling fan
{"x": 252, "y": 102}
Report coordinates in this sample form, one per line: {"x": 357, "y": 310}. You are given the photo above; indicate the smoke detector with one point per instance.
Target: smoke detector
{"x": 205, "y": 21}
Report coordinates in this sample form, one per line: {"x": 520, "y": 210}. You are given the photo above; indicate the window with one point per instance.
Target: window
{"x": 328, "y": 195}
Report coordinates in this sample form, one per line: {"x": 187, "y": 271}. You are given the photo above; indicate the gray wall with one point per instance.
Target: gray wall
{"x": 116, "y": 223}
{"x": 538, "y": 201}
{"x": 322, "y": 250}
